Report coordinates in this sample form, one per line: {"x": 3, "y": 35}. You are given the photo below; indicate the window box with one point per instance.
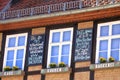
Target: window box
{"x": 11, "y": 73}
{"x": 104, "y": 65}
{"x": 55, "y": 70}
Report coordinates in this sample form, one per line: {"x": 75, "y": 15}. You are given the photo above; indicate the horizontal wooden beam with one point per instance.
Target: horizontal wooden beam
{"x": 86, "y": 16}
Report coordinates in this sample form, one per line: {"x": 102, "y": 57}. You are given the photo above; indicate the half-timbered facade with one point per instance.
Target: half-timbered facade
{"x": 60, "y": 40}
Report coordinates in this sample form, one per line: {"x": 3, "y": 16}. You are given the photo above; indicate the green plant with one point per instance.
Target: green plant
{"x": 14, "y": 68}
{"x": 102, "y": 60}
{"x": 111, "y": 59}
{"x": 62, "y": 64}
{"x": 7, "y": 68}
{"x": 52, "y": 65}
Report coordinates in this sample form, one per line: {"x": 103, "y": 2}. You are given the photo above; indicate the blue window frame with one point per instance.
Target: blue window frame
{"x": 15, "y": 49}
{"x": 108, "y": 41}
{"x": 60, "y": 46}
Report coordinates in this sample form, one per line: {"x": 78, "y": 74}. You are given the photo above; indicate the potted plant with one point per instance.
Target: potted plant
{"x": 7, "y": 68}
{"x": 14, "y": 68}
{"x": 102, "y": 60}
{"x": 52, "y": 65}
{"x": 111, "y": 59}
{"x": 62, "y": 64}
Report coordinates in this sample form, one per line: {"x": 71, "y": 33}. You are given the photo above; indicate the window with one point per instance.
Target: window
{"x": 60, "y": 46}
{"x": 108, "y": 41}
{"x": 15, "y": 49}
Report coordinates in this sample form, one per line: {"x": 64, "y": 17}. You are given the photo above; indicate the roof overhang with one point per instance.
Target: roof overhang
{"x": 78, "y": 15}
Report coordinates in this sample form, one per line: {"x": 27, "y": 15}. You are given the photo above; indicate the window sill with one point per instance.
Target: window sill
{"x": 11, "y": 73}
{"x": 104, "y": 65}
{"x": 55, "y": 70}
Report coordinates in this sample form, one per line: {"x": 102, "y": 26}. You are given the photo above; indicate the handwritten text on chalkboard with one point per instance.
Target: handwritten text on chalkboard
{"x": 83, "y": 45}
{"x": 36, "y": 49}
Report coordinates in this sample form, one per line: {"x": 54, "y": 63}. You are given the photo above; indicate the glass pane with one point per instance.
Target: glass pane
{"x": 103, "y": 54}
{"x": 56, "y": 37}
{"x": 66, "y": 35}
{"x": 65, "y": 59}
{"x": 19, "y": 63}
{"x": 103, "y": 45}
{"x": 115, "y": 55}
{"x": 104, "y": 31}
{"x": 115, "y": 43}
{"x": 20, "y": 53}
{"x": 54, "y": 60}
{"x": 11, "y": 42}
{"x": 10, "y": 55}
{"x": 54, "y": 50}
{"x": 9, "y": 63}
{"x": 65, "y": 49}
{"x": 21, "y": 41}
{"x": 116, "y": 29}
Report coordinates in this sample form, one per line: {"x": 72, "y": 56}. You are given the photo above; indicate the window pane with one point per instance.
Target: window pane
{"x": 11, "y": 42}
{"x": 21, "y": 41}
{"x": 10, "y": 55}
{"x": 115, "y": 43}
{"x": 9, "y": 63}
{"x": 115, "y": 54}
{"x": 65, "y": 59}
{"x": 54, "y": 50}
{"x": 103, "y": 45}
{"x": 54, "y": 60}
{"x": 56, "y": 37}
{"x": 20, "y": 53}
{"x": 65, "y": 49}
{"x": 103, "y": 54}
{"x": 116, "y": 29}
{"x": 104, "y": 31}
{"x": 66, "y": 35}
{"x": 19, "y": 63}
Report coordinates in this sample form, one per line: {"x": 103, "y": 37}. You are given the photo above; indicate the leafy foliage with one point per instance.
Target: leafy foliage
{"x": 102, "y": 60}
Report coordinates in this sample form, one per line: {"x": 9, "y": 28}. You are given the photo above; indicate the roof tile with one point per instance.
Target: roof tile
{"x": 22, "y": 4}
{"x": 3, "y": 3}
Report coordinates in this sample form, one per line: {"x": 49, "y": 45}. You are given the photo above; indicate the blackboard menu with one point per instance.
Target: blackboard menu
{"x": 36, "y": 49}
{"x": 83, "y": 45}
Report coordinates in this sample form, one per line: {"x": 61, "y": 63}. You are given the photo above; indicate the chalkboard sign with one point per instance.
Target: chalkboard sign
{"x": 36, "y": 49}
{"x": 83, "y": 45}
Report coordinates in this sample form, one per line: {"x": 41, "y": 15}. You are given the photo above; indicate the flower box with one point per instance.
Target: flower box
{"x": 104, "y": 65}
{"x": 11, "y": 73}
{"x": 55, "y": 70}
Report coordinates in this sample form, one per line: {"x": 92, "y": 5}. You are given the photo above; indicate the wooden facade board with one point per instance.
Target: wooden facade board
{"x": 87, "y": 16}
